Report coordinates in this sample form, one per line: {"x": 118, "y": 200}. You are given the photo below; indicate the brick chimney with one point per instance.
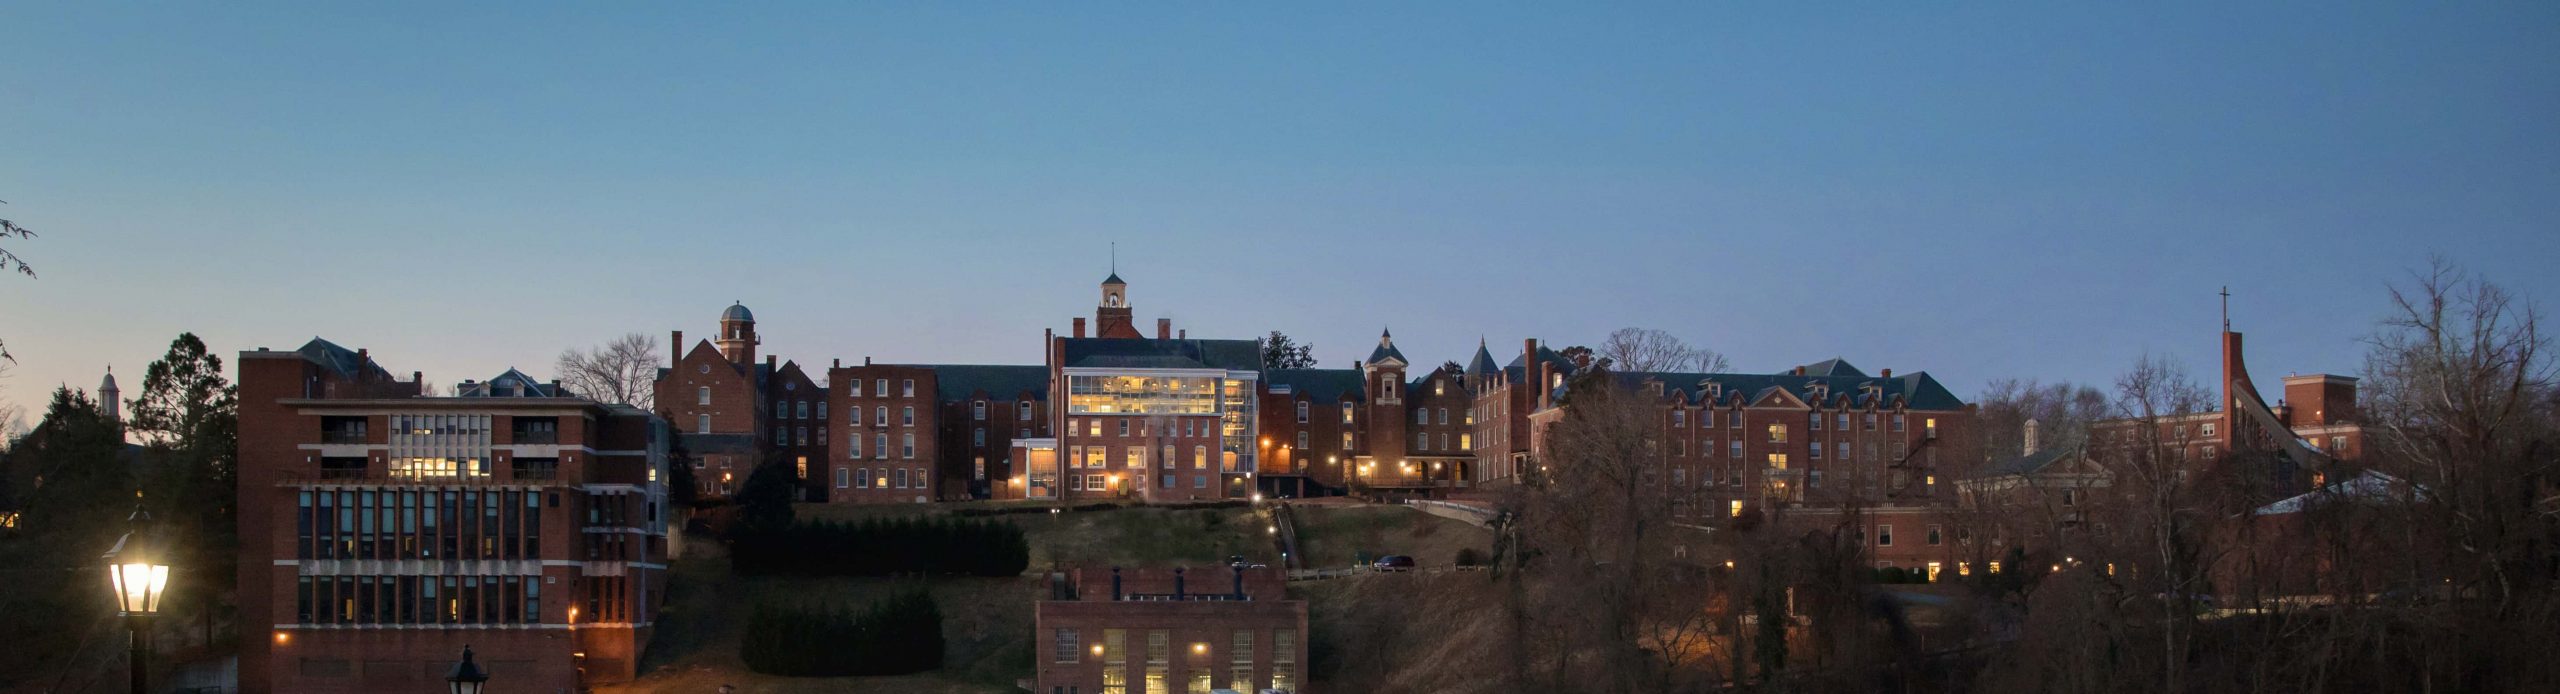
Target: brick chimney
{"x": 1887, "y": 373}
{"x": 678, "y": 354}
{"x": 1079, "y": 333}
{"x": 1164, "y": 328}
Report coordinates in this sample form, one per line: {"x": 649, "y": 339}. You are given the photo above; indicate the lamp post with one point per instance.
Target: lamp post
{"x": 467, "y": 676}
{"x": 138, "y": 572}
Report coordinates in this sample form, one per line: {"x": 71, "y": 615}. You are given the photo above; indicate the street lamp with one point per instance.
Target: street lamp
{"x": 467, "y": 676}
{"x": 137, "y": 572}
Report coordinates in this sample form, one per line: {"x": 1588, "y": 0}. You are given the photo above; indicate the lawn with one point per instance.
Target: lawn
{"x": 1334, "y": 536}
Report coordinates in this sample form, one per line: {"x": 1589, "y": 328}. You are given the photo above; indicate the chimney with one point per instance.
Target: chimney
{"x": 2031, "y": 438}
{"x": 362, "y": 355}
{"x": 1799, "y": 371}
{"x": 1888, "y": 373}
{"x": 768, "y": 362}
{"x": 1079, "y": 327}
{"x": 417, "y": 377}
{"x": 1239, "y": 583}
{"x": 1183, "y": 334}
{"x": 1115, "y": 584}
{"x": 678, "y": 354}
{"x": 1177, "y": 584}
{"x": 866, "y": 360}
{"x": 1164, "y": 328}
{"x": 836, "y": 363}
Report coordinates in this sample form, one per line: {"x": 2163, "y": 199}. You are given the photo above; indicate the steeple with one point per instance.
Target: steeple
{"x": 1387, "y": 351}
{"x": 737, "y": 335}
{"x": 110, "y": 398}
{"x": 1112, "y": 319}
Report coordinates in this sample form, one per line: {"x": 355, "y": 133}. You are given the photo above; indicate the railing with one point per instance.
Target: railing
{"x": 1327, "y": 574}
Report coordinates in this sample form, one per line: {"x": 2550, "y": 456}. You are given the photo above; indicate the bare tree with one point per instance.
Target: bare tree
{"x": 1648, "y": 349}
{"x": 11, "y": 230}
{"x": 623, "y": 370}
{"x": 2062, "y": 412}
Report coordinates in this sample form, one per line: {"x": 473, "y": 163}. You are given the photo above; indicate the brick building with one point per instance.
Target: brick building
{"x": 1328, "y": 431}
{"x": 383, "y": 529}
{"x": 731, "y": 413}
{"x": 1151, "y": 419}
{"x": 1168, "y": 630}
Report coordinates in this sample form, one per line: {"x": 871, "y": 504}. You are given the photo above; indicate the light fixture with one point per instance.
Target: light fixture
{"x": 467, "y": 677}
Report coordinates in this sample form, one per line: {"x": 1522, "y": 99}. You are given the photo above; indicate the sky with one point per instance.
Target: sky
{"x": 1991, "y": 190}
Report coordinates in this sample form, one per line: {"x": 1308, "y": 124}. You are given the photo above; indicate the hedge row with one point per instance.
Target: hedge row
{"x": 895, "y": 636}
{"x": 880, "y": 547}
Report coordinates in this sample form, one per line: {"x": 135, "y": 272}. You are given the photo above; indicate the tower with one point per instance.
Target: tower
{"x": 1383, "y": 375}
{"x": 1111, "y": 317}
{"x": 738, "y": 335}
{"x": 110, "y": 398}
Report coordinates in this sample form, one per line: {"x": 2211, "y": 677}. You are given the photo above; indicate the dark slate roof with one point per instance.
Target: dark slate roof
{"x": 512, "y": 384}
{"x": 738, "y": 312}
{"x": 1317, "y": 384}
{"x": 340, "y": 359}
{"x": 1113, "y": 279}
{"x": 953, "y": 382}
{"x": 2031, "y": 463}
{"x": 1517, "y": 371}
{"x": 1834, "y": 366}
{"x": 1483, "y": 361}
{"x": 1141, "y": 353}
{"x": 1387, "y": 350}
{"x": 1918, "y": 389}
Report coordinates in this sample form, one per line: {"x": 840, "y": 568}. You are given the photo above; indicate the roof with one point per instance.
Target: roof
{"x": 2372, "y": 487}
{"x": 1483, "y": 361}
{"x": 2031, "y": 463}
{"x": 738, "y": 312}
{"x": 1142, "y": 353}
{"x": 959, "y": 381}
{"x": 1113, "y": 279}
{"x": 1834, "y": 366}
{"x": 1387, "y": 350}
{"x": 1917, "y": 389}
{"x": 340, "y": 359}
{"x": 1553, "y": 358}
{"x": 1317, "y": 384}
{"x": 512, "y": 384}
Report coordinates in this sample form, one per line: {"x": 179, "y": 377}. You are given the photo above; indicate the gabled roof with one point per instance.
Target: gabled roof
{"x": 512, "y": 384}
{"x": 1387, "y": 351}
{"x": 1318, "y": 384}
{"x": 1917, "y": 389}
{"x": 1142, "y": 353}
{"x": 2032, "y": 463}
{"x": 340, "y": 359}
{"x": 1517, "y": 372}
{"x": 954, "y": 382}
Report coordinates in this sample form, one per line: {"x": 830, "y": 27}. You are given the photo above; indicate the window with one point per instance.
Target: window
{"x": 1467, "y": 441}
{"x": 1346, "y": 440}
{"x": 862, "y": 478}
{"x": 2208, "y": 429}
{"x": 2070, "y": 497}
{"x": 1022, "y": 410}
{"x": 1346, "y": 414}
{"x": 822, "y": 409}
{"x": 1840, "y": 450}
{"x": 1706, "y": 419}
{"x": 844, "y": 478}
{"x": 1199, "y": 458}
{"x": 1733, "y": 449}
{"x": 1093, "y": 427}
{"x": 853, "y": 446}
{"x": 800, "y": 436}
{"x": 1065, "y": 647}
{"x": 1733, "y": 509}
{"x": 879, "y": 445}
{"x": 1840, "y": 421}
{"x": 1199, "y": 481}
{"x": 1444, "y": 415}
{"x": 1897, "y": 421}
{"x": 800, "y": 410}
{"x": 1679, "y": 448}
{"x": 1884, "y": 536}
{"x": 702, "y": 396}
{"x": 2338, "y": 444}
{"x": 1302, "y": 440}
{"x": 1814, "y": 451}
{"x": 1777, "y": 433}
{"x": 907, "y": 446}
{"x": 853, "y": 414}
{"x": 978, "y": 468}
{"x": 1471, "y": 416}
{"x": 920, "y": 478}
{"x": 907, "y": 388}
{"x": 1934, "y": 536}
{"x": 1777, "y": 461}
{"x": 1422, "y": 416}
{"x": 1302, "y": 412}
{"x": 900, "y": 474}
{"x": 1813, "y": 478}
{"x": 978, "y": 410}
{"x": 978, "y": 437}
{"x": 907, "y": 416}
{"x": 702, "y": 424}
{"x": 881, "y": 386}
{"x": 880, "y": 415}
{"x": 1813, "y": 422}
{"x": 1124, "y": 427}
{"x": 1679, "y": 475}
{"x": 1135, "y": 458}
{"x": 1871, "y": 421}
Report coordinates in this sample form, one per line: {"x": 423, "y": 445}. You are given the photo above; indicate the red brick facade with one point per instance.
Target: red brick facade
{"x": 383, "y": 530}
{"x": 1148, "y": 630}
{"x": 888, "y": 448}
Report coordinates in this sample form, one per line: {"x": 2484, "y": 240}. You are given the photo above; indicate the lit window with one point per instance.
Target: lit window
{"x": 1777, "y": 461}
{"x": 1733, "y": 509}
{"x": 1777, "y": 433}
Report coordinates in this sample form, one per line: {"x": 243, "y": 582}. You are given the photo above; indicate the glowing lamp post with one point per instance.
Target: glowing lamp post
{"x": 467, "y": 676}
{"x": 138, "y": 572}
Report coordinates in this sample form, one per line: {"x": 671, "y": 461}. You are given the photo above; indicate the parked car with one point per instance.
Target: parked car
{"x": 1393, "y": 562}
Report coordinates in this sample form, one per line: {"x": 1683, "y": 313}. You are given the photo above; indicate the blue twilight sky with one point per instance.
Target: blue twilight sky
{"x": 2033, "y": 190}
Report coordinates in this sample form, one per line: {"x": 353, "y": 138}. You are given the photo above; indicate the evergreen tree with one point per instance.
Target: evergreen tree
{"x": 188, "y": 416}
{"x": 70, "y": 486}
{"x": 764, "y": 501}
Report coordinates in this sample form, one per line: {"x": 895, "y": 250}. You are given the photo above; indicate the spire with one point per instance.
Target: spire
{"x": 1386, "y": 350}
{"x": 109, "y": 397}
{"x": 1483, "y": 361}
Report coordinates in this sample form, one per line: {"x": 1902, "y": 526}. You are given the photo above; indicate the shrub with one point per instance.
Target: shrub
{"x": 880, "y": 547}
{"x": 1468, "y": 556}
{"x": 895, "y": 636}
